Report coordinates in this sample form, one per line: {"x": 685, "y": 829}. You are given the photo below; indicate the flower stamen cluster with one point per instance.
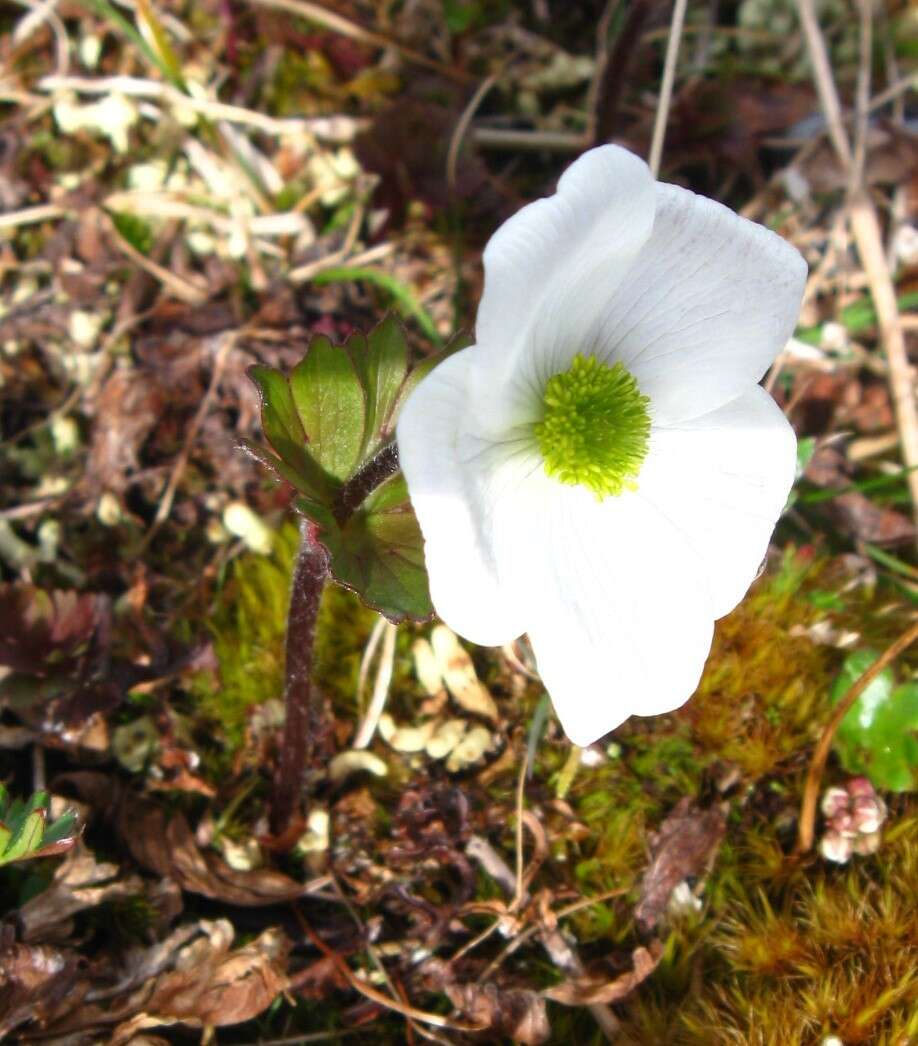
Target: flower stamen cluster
{"x": 596, "y": 427}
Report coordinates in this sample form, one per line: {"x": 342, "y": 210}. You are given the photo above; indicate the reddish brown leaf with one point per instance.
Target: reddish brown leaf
{"x": 33, "y": 982}
{"x": 215, "y": 987}
{"x": 516, "y": 1013}
{"x": 684, "y": 846}
{"x": 166, "y": 845}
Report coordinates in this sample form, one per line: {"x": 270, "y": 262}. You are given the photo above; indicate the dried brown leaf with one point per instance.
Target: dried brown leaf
{"x": 515, "y": 1012}
{"x": 165, "y": 844}
{"x": 34, "y": 980}
{"x": 80, "y": 882}
{"x": 213, "y": 986}
{"x": 587, "y": 991}
{"x": 684, "y": 846}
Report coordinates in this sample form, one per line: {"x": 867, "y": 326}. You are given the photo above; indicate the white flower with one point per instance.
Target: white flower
{"x": 601, "y": 469}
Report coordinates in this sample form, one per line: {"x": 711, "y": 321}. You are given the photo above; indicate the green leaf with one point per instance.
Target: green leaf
{"x": 400, "y": 293}
{"x": 109, "y": 11}
{"x": 283, "y": 429}
{"x": 26, "y": 837}
{"x": 381, "y": 360}
{"x": 879, "y": 735}
{"x": 379, "y": 553}
{"x": 331, "y": 403}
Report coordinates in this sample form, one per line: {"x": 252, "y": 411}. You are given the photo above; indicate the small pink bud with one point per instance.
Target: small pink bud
{"x": 860, "y": 786}
{"x": 835, "y": 847}
{"x": 868, "y": 814}
{"x": 866, "y": 844}
{"x": 834, "y": 801}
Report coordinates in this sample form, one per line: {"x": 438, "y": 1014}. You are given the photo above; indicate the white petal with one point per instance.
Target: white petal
{"x": 619, "y": 616}
{"x": 567, "y": 253}
{"x": 703, "y": 312}
{"x": 723, "y": 480}
{"x": 455, "y": 478}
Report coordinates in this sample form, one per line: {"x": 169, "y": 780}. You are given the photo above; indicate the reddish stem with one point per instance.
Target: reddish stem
{"x": 309, "y": 577}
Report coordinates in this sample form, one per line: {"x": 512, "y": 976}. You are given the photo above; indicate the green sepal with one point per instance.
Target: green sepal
{"x": 379, "y": 552}
{"x": 879, "y": 736}
{"x": 456, "y": 343}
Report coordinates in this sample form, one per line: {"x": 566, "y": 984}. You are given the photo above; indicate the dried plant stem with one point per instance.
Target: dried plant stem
{"x": 865, "y": 225}
{"x": 370, "y": 721}
{"x": 309, "y": 577}
{"x": 817, "y": 763}
{"x": 666, "y": 89}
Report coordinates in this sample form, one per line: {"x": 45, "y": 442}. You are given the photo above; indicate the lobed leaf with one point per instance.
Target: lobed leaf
{"x": 379, "y": 552}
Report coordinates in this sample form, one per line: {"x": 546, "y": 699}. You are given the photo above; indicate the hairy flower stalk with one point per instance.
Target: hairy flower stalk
{"x": 601, "y": 470}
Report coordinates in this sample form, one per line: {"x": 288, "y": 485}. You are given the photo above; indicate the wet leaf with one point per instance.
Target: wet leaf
{"x": 335, "y": 411}
{"x": 381, "y": 360}
{"x": 879, "y": 735}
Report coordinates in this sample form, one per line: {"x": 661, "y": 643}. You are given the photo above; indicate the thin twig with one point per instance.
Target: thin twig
{"x": 821, "y": 753}
{"x": 462, "y": 126}
{"x": 369, "y": 992}
{"x": 338, "y": 129}
{"x": 862, "y": 98}
{"x": 43, "y": 212}
{"x": 666, "y": 90}
{"x": 183, "y": 289}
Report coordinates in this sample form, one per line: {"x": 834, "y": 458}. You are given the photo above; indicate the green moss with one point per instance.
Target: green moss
{"x": 248, "y": 626}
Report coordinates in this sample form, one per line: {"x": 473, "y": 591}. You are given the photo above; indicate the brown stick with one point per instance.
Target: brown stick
{"x": 807, "y": 823}
{"x": 309, "y": 577}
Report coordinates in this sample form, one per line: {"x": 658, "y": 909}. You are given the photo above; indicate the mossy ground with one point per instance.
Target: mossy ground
{"x": 783, "y": 950}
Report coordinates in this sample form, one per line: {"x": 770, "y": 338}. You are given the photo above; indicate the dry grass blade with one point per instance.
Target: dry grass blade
{"x": 865, "y": 225}
{"x": 339, "y": 24}
{"x": 666, "y": 89}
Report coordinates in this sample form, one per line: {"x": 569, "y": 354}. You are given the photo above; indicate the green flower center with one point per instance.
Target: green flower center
{"x": 596, "y": 427}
